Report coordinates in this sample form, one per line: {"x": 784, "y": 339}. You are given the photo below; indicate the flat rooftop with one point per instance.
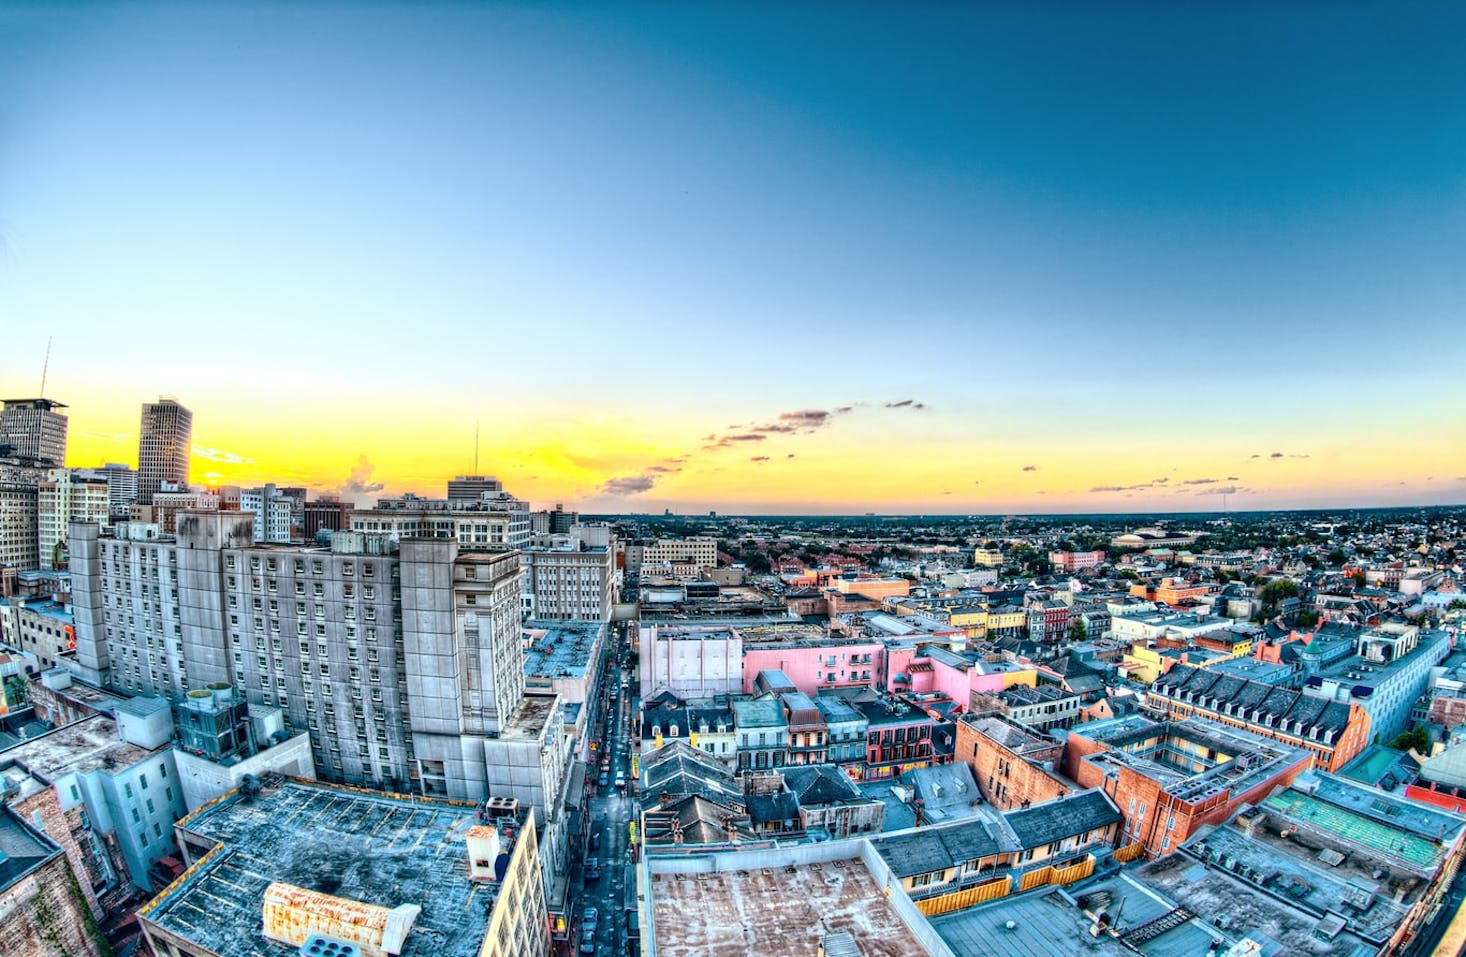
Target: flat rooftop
{"x": 782, "y": 911}
{"x": 1051, "y": 922}
{"x": 375, "y": 848}
{"x": 560, "y": 649}
{"x": 80, "y": 747}
{"x": 1215, "y": 894}
{"x": 46, "y": 607}
{"x": 1170, "y": 752}
{"x": 529, "y": 720}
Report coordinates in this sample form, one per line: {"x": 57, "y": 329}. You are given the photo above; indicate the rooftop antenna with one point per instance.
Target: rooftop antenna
{"x": 45, "y": 367}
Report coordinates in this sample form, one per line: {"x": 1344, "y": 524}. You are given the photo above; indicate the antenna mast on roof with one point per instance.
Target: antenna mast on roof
{"x": 45, "y": 367}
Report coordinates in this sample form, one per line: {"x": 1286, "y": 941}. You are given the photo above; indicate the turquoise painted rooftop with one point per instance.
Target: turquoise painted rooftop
{"x": 1364, "y": 831}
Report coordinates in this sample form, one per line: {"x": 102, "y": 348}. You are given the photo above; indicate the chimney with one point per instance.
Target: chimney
{"x": 482, "y": 841}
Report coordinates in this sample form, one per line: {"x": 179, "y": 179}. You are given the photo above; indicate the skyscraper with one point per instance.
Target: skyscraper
{"x": 471, "y": 488}
{"x": 165, "y": 440}
{"x": 34, "y": 429}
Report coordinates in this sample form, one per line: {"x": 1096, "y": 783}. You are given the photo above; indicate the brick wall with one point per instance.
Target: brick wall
{"x": 63, "y": 828}
{"x": 45, "y": 916}
{"x": 1005, "y": 778}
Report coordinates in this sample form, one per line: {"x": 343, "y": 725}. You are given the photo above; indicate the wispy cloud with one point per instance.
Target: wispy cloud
{"x": 219, "y": 455}
{"x": 105, "y": 436}
{"x": 1030, "y": 468}
{"x": 760, "y": 459}
{"x": 1200, "y": 481}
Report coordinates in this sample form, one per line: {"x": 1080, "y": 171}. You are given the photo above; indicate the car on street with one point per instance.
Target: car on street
{"x": 589, "y": 918}
{"x": 595, "y": 841}
{"x": 588, "y": 942}
{"x": 592, "y": 870}
{"x": 604, "y": 779}
{"x": 621, "y": 780}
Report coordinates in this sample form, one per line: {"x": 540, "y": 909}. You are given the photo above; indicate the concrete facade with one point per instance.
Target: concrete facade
{"x": 691, "y": 662}
{"x": 66, "y": 496}
{"x": 165, "y": 442}
{"x": 568, "y": 584}
{"x": 34, "y": 429}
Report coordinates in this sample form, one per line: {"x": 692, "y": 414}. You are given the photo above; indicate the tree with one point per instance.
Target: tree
{"x": 1416, "y": 738}
{"x": 1274, "y": 592}
{"x": 1077, "y": 630}
{"x": 17, "y": 692}
{"x": 1336, "y": 556}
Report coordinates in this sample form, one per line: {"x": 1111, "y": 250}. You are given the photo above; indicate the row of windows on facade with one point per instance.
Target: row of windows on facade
{"x": 318, "y": 566}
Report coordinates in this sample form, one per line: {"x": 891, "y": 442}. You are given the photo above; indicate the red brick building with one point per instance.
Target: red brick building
{"x": 1013, "y": 767}
{"x": 1170, "y": 778}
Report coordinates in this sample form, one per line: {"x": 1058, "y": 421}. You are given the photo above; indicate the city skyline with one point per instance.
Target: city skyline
{"x": 982, "y": 261}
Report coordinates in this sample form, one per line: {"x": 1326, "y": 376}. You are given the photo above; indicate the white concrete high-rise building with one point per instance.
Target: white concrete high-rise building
{"x": 165, "y": 442}
{"x": 273, "y": 511}
{"x": 570, "y": 582}
{"x": 121, "y": 484}
{"x": 404, "y": 663}
{"x": 497, "y": 520}
{"x": 66, "y": 496}
{"x": 34, "y": 430}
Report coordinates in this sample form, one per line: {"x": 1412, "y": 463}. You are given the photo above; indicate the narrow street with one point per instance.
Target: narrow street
{"x": 611, "y": 810}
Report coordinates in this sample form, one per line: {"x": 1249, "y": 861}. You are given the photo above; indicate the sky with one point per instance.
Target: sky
{"x": 980, "y": 258}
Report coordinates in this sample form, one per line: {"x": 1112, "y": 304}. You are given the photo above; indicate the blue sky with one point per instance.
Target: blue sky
{"x": 1082, "y": 222}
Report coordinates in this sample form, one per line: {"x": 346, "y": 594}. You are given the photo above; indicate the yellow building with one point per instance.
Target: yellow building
{"x": 1007, "y": 619}
{"x": 1145, "y": 663}
{"x": 987, "y": 557}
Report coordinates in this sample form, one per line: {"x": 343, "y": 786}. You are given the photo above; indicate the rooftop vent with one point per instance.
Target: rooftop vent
{"x": 318, "y": 946}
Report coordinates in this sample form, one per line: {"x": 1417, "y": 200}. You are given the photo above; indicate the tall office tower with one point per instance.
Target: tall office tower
{"x": 165, "y": 441}
{"x": 34, "y": 430}
{"x": 66, "y": 496}
{"x": 19, "y": 481}
{"x": 471, "y": 488}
